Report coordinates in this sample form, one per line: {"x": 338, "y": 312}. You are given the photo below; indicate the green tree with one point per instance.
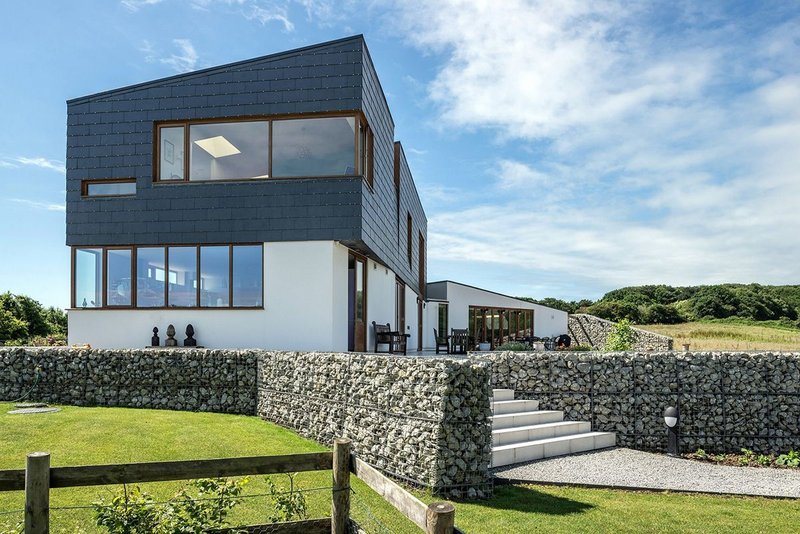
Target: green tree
{"x": 11, "y": 328}
{"x": 615, "y": 310}
{"x": 622, "y": 337}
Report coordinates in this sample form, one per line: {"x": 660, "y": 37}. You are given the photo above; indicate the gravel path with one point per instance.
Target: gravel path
{"x": 636, "y": 469}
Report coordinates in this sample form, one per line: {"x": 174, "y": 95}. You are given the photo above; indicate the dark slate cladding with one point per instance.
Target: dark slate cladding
{"x": 384, "y": 228}
{"x": 110, "y": 135}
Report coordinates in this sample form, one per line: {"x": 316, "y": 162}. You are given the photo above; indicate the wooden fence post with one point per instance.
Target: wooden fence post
{"x": 441, "y": 518}
{"x": 340, "y": 510}
{"x": 37, "y": 493}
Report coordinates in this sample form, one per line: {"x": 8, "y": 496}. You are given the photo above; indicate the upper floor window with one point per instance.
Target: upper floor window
{"x": 262, "y": 149}
{"x": 116, "y": 187}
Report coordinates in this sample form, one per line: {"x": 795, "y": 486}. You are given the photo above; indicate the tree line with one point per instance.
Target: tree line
{"x": 671, "y": 305}
{"x": 24, "y": 321}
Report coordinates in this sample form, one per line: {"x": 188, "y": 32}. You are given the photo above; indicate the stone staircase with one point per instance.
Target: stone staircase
{"x": 521, "y": 432}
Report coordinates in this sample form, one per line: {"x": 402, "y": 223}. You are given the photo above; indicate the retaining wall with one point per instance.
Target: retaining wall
{"x": 727, "y": 400}
{"x": 192, "y": 379}
{"x": 425, "y": 421}
{"x": 589, "y": 330}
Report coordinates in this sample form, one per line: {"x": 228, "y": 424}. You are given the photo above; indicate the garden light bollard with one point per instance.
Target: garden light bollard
{"x": 671, "y": 419}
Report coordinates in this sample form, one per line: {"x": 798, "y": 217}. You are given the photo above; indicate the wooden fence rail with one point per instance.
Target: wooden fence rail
{"x": 38, "y": 478}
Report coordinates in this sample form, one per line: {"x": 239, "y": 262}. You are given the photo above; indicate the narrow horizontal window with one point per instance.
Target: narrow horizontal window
{"x": 109, "y": 188}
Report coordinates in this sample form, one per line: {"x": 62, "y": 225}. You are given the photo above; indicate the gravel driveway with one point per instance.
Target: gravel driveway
{"x": 644, "y": 470}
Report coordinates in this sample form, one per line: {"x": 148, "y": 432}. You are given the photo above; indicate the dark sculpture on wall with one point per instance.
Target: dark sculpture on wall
{"x": 155, "y": 341}
{"x": 171, "y": 341}
{"x": 189, "y": 341}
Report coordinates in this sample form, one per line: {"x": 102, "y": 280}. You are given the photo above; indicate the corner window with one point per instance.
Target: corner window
{"x": 88, "y": 278}
{"x": 313, "y": 147}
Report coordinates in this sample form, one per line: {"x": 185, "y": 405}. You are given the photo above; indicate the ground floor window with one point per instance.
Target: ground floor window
{"x": 497, "y": 326}
{"x": 442, "y": 322}
{"x": 181, "y": 276}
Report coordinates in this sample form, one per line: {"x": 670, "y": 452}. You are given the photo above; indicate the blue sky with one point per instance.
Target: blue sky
{"x": 561, "y": 148}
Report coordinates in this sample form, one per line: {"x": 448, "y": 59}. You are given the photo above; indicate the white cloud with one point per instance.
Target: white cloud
{"x": 135, "y": 5}
{"x": 7, "y": 165}
{"x": 185, "y": 59}
{"x": 660, "y": 155}
{"x": 43, "y": 163}
{"x": 265, "y": 15}
{"x": 39, "y": 205}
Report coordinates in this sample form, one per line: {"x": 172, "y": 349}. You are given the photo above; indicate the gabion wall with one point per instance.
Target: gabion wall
{"x": 192, "y": 379}
{"x": 727, "y": 400}
{"x": 590, "y": 330}
{"x": 422, "y": 420}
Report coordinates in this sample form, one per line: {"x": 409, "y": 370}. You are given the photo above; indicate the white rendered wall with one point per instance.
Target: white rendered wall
{"x": 411, "y": 318}
{"x": 305, "y": 308}
{"x": 546, "y": 321}
{"x": 380, "y": 299}
{"x": 431, "y": 321}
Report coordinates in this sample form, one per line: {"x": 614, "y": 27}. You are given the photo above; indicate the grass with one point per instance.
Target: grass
{"x": 78, "y": 436}
{"x": 731, "y": 335}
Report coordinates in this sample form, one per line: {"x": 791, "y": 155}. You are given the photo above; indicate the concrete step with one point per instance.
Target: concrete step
{"x": 503, "y": 394}
{"x": 538, "y": 417}
{"x": 514, "y": 406}
{"x": 508, "y": 436}
{"x": 547, "y": 448}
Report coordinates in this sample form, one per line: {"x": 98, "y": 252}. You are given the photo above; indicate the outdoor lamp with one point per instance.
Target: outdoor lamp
{"x": 671, "y": 417}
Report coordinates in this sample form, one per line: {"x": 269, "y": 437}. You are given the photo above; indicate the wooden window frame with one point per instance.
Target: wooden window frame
{"x": 357, "y": 115}
{"x": 86, "y": 183}
{"x": 480, "y": 315}
{"x": 421, "y": 261}
{"x": 134, "y": 276}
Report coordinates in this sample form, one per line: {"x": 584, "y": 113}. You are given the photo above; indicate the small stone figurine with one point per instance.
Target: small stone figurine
{"x": 171, "y": 341}
{"x": 189, "y": 341}
{"x": 155, "y": 341}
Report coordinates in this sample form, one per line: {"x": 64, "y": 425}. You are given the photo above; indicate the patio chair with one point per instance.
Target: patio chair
{"x": 441, "y": 342}
{"x": 384, "y": 335}
{"x": 459, "y": 339}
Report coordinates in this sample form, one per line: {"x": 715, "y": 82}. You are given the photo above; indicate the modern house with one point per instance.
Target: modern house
{"x": 265, "y": 202}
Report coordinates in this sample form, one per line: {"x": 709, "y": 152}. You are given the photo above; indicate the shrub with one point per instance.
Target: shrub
{"x": 136, "y": 512}
{"x": 621, "y": 337}
{"x": 513, "y": 346}
{"x": 792, "y": 459}
{"x": 662, "y": 314}
{"x": 11, "y": 328}
{"x": 614, "y": 310}
{"x": 289, "y": 505}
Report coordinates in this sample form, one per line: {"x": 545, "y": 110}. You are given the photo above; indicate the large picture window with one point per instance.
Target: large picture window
{"x": 229, "y": 151}
{"x": 306, "y": 147}
{"x": 187, "y": 276}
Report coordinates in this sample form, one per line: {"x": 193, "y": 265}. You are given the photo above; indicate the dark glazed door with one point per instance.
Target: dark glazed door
{"x": 357, "y": 303}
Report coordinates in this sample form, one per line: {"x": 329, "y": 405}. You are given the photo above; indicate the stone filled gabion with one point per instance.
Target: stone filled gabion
{"x": 193, "y": 380}
{"x": 727, "y": 401}
{"x": 585, "y": 329}
{"x": 422, "y": 420}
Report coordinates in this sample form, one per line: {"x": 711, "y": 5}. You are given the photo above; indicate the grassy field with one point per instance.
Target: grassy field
{"x": 730, "y": 335}
{"x": 77, "y": 436}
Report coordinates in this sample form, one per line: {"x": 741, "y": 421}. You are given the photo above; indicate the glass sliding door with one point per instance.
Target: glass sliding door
{"x": 357, "y": 303}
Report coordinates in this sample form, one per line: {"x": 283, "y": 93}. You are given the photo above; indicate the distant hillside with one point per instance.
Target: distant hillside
{"x": 664, "y": 304}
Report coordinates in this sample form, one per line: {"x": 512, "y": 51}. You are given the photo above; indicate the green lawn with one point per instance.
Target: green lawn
{"x": 77, "y": 436}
